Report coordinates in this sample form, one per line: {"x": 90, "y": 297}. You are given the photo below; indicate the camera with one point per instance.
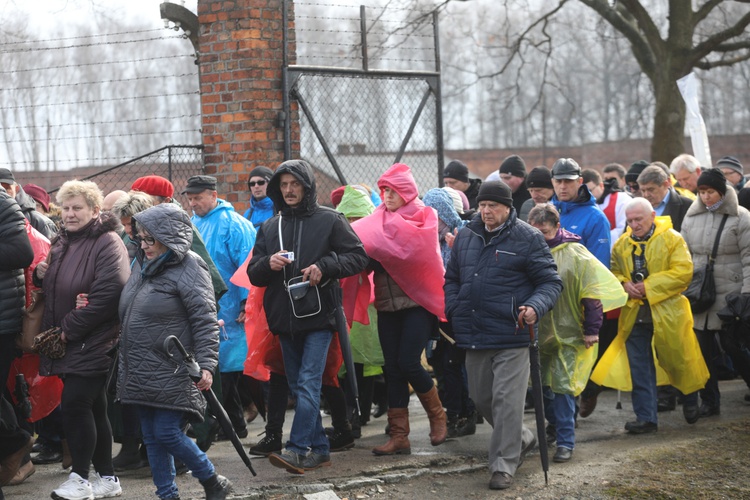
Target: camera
{"x": 640, "y": 275}
{"x": 288, "y": 255}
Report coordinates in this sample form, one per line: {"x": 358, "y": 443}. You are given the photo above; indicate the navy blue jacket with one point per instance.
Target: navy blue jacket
{"x": 486, "y": 283}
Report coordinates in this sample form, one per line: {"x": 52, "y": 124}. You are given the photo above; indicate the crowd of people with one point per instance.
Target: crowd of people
{"x": 270, "y": 304}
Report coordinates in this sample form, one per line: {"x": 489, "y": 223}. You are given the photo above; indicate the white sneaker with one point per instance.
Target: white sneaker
{"x": 105, "y": 487}
{"x": 75, "y": 488}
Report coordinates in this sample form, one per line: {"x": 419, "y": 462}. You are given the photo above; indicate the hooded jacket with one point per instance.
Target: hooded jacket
{"x": 92, "y": 260}
{"x": 485, "y": 283}
{"x": 259, "y": 211}
{"x": 16, "y": 254}
{"x": 317, "y": 235}
{"x": 229, "y": 238}
{"x": 678, "y": 357}
{"x": 166, "y": 296}
{"x": 472, "y": 192}
{"x": 732, "y": 264}
{"x": 582, "y": 217}
{"x": 38, "y": 220}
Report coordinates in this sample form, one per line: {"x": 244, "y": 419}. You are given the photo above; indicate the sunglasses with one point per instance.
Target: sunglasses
{"x": 254, "y": 183}
{"x": 148, "y": 240}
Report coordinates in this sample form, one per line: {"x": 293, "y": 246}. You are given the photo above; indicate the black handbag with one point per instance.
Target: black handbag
{"x": 304, "y": 298}
{"x": 702, "y": 289}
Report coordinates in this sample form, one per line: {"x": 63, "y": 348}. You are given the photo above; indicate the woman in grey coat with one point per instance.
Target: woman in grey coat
{"x": 731, "y": 269}
{"x": 169, "y": 293}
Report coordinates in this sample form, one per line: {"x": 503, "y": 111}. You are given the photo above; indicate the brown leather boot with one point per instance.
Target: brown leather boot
{"x": 434, "y": 408}
{"x": 67, "y": 460}
{"x": 398, "y": 444}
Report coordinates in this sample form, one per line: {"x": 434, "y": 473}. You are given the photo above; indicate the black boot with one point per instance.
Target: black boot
{"x": 217, "y": 487}
{"x": 129, "y": 457}
{"x": 354, "y": 421}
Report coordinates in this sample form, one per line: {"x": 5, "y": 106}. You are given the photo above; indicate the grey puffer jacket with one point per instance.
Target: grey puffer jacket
{"x": 732, "y": 265}
{"x": 168, "y": 295}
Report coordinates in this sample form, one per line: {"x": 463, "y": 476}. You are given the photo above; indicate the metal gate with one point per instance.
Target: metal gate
{"x": 355, "y": 123}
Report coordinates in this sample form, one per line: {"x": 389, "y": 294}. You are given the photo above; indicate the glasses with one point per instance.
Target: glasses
{"x": 254, "y": 183}
{"x": 148, "y": 240}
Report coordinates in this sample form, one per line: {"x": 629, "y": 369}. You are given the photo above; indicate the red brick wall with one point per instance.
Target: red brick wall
{"x": 483, "y": 161}
{"x": 241, "y": 92}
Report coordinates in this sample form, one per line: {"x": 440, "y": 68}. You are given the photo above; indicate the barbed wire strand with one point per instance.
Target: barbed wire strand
{"x": 109, "y": 136}
{"x": 194, "y": 92}
{"x": 104, "y": 122}
{"x": 121, "y": 80}
{"x": 96, "y": 44}
{"x": 97, "y": 63}
{"x": 80, "y": 37}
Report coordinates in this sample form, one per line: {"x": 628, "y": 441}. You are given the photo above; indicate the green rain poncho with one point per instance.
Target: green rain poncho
{"x": 566, "y": 363}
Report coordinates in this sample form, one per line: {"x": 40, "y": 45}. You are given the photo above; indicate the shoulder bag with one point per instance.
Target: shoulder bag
{"x": 702, "y": 290}
{"x": 304, "y": 298}
{"x": 32, "y": 319}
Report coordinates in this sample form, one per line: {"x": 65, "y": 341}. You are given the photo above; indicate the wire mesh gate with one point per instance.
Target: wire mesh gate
{"x": 355, "y": 123}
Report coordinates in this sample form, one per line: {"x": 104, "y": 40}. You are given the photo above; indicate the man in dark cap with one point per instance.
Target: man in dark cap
{"x": 229, "y": 239}
{"x": 38, "y": 220}
{"x": 519, "y": 279}
{"x": 456, "y": 176}
{"x": 539, "y": 185}
{"x": 578, "y": 211}
{"x": 261, "y": 206}
{"x": 513, "y": 173}
{"x": 631, "y": 178}
{"x": 733, "y": 171}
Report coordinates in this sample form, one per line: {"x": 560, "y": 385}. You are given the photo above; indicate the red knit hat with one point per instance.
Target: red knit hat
{"x": 155, "y": 185}
{"x": 39, "y": 194}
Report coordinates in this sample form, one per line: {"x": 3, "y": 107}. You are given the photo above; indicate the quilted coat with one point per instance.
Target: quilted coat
{"x": 168, "y": 295}
{"x": 486, "y": 283}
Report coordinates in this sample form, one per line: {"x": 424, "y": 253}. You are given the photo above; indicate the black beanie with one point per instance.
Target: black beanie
{"x": 513, "y": 165}
{"x": 635, "y": 170}
{"x": 457, "y": 170}
{"x": 495, "y": 191}
{"x": 539, "y": 177}
{"x": 261, "y": 171}
{"x": 713, "y": 178}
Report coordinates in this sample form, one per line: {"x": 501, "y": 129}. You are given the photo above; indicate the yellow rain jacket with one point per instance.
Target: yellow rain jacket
{"x": 566, "y": 363}
{"x": 677, "y": 355}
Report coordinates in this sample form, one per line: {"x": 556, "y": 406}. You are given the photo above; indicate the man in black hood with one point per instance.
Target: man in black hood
{"x": 299, "y": 256}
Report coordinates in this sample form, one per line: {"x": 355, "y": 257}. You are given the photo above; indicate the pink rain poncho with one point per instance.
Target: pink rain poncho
{"x": 405, "y": 242}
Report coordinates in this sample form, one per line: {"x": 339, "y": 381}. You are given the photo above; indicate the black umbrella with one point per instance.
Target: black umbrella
{"x": 536, "y": 391}
{"x": 346, "y": 352}
{"x": 194, "y": 371}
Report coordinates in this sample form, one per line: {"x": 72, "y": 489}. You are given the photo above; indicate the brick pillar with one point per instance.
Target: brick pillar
{"x": 241, "y": 48}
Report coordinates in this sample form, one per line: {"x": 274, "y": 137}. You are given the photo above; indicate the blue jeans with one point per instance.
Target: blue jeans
{"x": 164, "y": 439}
{"x": 304, "y": 362}
{"x": 560, "y": 412}
{"x": 642, "y": 372}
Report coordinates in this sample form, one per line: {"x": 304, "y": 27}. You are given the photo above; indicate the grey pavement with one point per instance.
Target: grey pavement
{"x": 358, "y": 468}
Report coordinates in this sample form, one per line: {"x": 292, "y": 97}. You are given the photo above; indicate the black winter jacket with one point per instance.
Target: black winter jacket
{"x": 92, "y": 260}
{"x": 163, "y": 297}
{"x": 15, "y": 254}
{"x": 317, "y": 235}
{"x": 38, "y": 220}
{"x": 486, "y": 283}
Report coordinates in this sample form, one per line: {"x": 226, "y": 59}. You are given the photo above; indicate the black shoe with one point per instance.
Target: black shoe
{"x": 213, "y": 431}
{"x": 639, "y": 427}
{"x": 217, "y": 487}
{"x": 467, "y": 426}
{"x": 709, "y": 411}
{"x": 562, "y": 454}
{"x": 500, "y": 481}
{"x": 691, "y": 413}
{"x": 666, "y": 404}
{"x": 271, "y": 443}
{"x": 381, "y": 410}
{"x": 39, "y": 446}
{"x": 526, "y": 449}
{"x": 179, "y": 467}
{"x": 341, "y": 440}
{"x": 452, "y": 425}
{"x": 48, "y": 455}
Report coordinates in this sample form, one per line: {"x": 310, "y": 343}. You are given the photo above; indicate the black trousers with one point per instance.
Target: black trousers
{"x": 87, "y": 429}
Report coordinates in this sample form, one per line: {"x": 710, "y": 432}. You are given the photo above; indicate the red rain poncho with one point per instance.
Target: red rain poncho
{"x": 405, "y": 242}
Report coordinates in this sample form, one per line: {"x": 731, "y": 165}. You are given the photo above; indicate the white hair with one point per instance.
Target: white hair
{"x": 684, "y": 162}
{"x": 639, "y": 203}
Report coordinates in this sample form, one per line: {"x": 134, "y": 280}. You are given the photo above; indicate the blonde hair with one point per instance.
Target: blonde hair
{"x": 88, "y": 190}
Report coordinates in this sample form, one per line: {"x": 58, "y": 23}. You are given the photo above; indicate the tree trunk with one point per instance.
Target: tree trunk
{"x": 669, "y": 119}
